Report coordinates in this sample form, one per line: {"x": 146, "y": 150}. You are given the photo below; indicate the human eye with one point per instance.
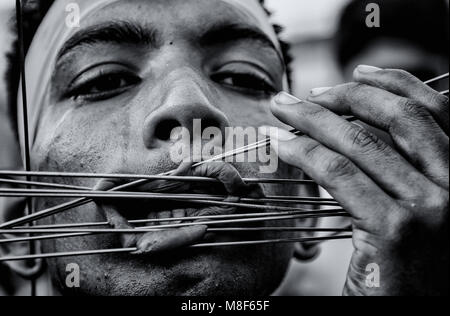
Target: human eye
{"x": 102, "y": 82}
{"x": 244, "y": 78}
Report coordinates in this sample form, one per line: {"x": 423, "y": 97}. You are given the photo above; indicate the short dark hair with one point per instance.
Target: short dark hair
{"x": 34, "y": 12}
{"x": 422, "y": 23}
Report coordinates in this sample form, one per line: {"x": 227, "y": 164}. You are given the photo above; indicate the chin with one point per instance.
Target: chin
{"x": 255, "y": 271}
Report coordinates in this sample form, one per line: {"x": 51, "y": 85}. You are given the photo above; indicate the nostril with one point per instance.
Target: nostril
{"x": 164, "y": 129}
{"x": 210, "y": 123}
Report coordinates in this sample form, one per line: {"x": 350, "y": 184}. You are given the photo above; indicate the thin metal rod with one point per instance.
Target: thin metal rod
{"x": 44, "y": 184}
{"x": 148, "y": 177}
{"x": 273, "y": 241}
{"x": 444, "y": 92}
{"x": 279, "y": 229}
{"x": 203, "y": 245}
{"x": 209, "y": 230}
{"x": 438, "y": 78}
{"x": 159, "y": 227}
{"x": 26, "y": 136}
{"x": 164, "y": 196}
{"x": 46, "y": 237}
{"x": 191, "y": 198}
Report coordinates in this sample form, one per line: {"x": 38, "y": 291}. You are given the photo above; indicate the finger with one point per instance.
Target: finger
{"x": 377, "y": 159}
{"x": 413, "y": 130}
{"x": 163, "y": 186}
{"x": 404, "y": 84}
{"x": 155, "y": 242}
{"x": 354, "y": 190}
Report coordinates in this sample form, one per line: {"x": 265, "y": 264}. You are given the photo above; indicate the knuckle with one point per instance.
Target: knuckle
{"x": 429, "y": 213}
{"x": 311, "y": 110}
{"x": 355, "y": 88}
{"x": 444, "y": 102}
{"x": 311, "y": 151}
{"x": 344, "y": 93}
{"x": 364, "y": 140}
{"x": 339, "y": 167}
{"x": 399, "y": 74}
{"x": 441, "y": 101}
{"x": 437, "y": 201}
{"x": 400, "y": 225}
{"x": 411, "y": 109}
{"x": 443, "y": 210}
{"x": 443, "y": 200}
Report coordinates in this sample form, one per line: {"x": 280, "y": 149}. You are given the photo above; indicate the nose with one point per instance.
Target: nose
{"x": 185, "y": 101}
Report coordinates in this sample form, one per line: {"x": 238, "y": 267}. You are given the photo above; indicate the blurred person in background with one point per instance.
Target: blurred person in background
{"x": 413, "y": 35}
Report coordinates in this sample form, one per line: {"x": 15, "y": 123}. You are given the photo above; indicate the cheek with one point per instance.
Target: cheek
{"x": 247, "y": 112}
{"x": 85, "y": 139}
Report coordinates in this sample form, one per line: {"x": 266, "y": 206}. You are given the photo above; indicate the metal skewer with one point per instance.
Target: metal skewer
{"x": 203, "y": 245}
{"x": 165, "y": 196}
{"x": 209, "y": 230}
{"x": 133, "y": 176}
{"x": 438, "y": 78}
{"x": 328, "y": 213}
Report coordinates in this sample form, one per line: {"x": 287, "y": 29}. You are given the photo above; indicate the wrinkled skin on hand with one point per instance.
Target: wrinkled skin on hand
{"x": 397, "y": 194}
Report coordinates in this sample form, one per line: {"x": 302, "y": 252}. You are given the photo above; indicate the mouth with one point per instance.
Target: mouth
{"x": 119, "y": 213}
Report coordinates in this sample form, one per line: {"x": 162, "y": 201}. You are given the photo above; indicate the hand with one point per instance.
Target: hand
{"x": 397, "y": 195}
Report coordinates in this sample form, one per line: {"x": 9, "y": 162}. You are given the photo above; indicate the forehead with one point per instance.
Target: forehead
{"x": 180, "y": 17}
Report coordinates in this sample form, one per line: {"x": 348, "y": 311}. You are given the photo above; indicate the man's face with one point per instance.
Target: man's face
{"x": 133, "y": 72}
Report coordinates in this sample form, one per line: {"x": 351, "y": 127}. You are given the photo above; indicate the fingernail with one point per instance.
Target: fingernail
{"x": 284, "y": 135}
{"x": 367, "y": 69}
{"x": 318, "y": 91}
{"x": 285, "y": 98}
{"x": 277, "y": 134}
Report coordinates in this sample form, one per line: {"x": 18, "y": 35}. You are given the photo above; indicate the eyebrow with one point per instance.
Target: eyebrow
{"x": 112, "y": 32}
{"x": 121, "y": 32}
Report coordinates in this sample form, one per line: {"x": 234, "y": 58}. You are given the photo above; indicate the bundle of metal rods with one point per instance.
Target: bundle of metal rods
{"x": 269, "y": 208}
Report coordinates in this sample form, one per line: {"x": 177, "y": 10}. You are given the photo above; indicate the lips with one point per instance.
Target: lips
{"x": 119, "y": 212}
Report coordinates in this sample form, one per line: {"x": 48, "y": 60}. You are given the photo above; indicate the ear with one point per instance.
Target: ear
{"x": 10, "y": 153}
{"x": 307, "y": 251}
{"x": 14, "y": 208}
{"x": 11, "y": 208}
